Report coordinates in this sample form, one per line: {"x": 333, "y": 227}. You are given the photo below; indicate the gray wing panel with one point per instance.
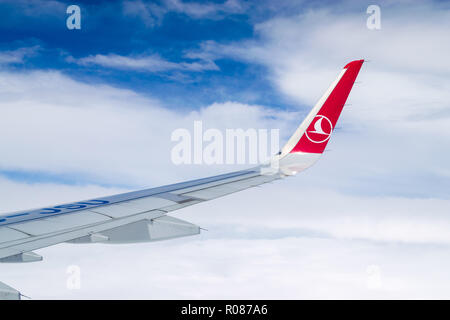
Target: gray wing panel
{"x": 131, "y": 207}
{"x": 230, "y": 187}
{"x": 8, "y": 234}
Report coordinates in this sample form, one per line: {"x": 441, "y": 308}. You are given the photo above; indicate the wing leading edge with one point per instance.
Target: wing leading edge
{"x": 142, "y": 216}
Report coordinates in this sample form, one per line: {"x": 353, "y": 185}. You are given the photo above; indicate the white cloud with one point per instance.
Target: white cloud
{"x": 51, "y": 123}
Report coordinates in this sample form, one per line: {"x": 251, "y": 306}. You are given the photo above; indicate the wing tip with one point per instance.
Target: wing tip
{"x": 354, "y": 63}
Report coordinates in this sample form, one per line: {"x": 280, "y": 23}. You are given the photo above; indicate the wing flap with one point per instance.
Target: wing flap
{"x": 22, "y": 257}
{"x": 161, "y": 228}
{"x": 168, "y": 227}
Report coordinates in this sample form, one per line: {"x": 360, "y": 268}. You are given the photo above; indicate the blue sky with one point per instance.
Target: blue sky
{"x": 107, "y": 28}
{"x": 86, "y": 113}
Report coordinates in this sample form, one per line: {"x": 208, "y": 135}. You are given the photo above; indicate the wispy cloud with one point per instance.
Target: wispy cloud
{"x": 17, "y": 56}
{"x": 152, "y": 14}
{"x": 144, "y": 63}
{"x": 204, "y": 10}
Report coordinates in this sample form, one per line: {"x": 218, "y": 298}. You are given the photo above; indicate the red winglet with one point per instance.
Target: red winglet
{"x": 316, "y": 136}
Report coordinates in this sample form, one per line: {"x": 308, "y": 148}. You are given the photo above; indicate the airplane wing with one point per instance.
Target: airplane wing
{"x": 144, "y": 215}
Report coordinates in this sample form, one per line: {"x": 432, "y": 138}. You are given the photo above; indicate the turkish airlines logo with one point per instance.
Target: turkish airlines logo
{"x": 321, "y": 131}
